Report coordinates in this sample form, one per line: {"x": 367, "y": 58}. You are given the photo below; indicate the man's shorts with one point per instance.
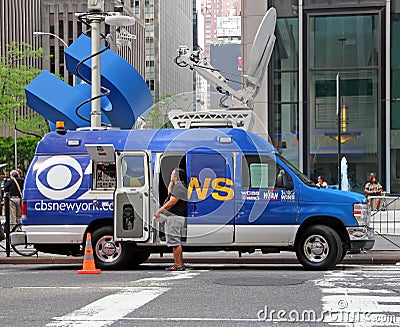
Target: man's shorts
{"x": 173, "y": 230}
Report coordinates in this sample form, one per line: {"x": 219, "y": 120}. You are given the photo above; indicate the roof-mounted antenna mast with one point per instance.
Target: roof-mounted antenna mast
{"x": 94, "y": 17}
{"x": 259, "y": 57}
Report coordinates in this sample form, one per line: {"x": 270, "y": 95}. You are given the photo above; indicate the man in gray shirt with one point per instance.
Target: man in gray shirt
{"x": 175, "y": 208}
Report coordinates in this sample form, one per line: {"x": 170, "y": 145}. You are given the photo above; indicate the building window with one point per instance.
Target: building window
{"x": 52, "y": 60}
{"x": 347, "y": 45}
{"x": 150, "y": 84}
{"x": 395, "y": 105}
{"x": 285, "y": 89}
{"x": 261, "y": 172}
{"x": 133, "y": 171}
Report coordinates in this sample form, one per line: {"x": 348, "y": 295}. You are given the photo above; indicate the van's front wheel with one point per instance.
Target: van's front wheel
{"x": 107, "y": 253}
{"x": 319, "y": 248}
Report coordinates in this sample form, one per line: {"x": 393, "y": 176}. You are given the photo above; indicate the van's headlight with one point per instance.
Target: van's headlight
{"x": 362, "y": 213}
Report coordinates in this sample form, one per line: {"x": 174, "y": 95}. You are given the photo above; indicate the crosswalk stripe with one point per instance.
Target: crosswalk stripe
{"x": 348, "y": 296}
{"x": 355, "y": 290}
{"x": 108, "y": 309}
{"x": 114, "y": 307}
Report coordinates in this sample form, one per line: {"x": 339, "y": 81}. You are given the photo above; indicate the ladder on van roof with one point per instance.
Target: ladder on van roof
{"x": 215, "y": 118}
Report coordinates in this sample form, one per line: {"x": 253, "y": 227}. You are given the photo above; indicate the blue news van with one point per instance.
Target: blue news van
{"x": 242, "y": 196}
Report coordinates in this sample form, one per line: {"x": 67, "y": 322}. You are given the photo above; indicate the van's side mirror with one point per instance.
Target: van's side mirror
{"x": 283, "y": 181}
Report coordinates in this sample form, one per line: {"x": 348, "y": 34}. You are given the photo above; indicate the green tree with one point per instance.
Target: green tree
{"x": 157, "y": 116}
{"x": 16, "y": 71}
{"x": 26, "y": 149}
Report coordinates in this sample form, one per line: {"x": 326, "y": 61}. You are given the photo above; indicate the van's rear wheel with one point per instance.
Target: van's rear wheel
{"x": 319, "y": 248}
{"x": 107, "y": 253}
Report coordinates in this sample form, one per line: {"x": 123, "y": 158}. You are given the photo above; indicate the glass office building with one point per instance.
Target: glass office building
{"x": 317, "y": 41}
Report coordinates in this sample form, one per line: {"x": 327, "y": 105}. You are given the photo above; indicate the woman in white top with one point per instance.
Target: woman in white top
{"x": 322, "y": 182}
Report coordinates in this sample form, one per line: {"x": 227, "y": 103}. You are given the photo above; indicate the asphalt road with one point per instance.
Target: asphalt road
{"x": 369, "y": 258}
{"x": 204, "y": 295}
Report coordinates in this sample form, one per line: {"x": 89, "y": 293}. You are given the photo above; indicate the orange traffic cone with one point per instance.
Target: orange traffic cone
{"x": 88, "y": 259}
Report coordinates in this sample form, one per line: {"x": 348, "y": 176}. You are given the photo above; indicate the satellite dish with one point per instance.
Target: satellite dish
{"x": 262, "y": 48}
{"x": 120, "y": 20}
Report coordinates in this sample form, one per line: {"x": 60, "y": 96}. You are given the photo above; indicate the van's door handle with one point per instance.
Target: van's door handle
{"x": 194, "y": 209}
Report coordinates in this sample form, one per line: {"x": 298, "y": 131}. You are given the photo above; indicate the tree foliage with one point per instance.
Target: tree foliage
{"x": 16, "y": 71}
{"x": 25, "y": 151}
{"x": 157, "y": 116}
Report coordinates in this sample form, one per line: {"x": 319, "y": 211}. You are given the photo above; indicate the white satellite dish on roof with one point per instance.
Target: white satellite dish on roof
{"x": 261, "y": 51}
{"x": 259, "y": 57}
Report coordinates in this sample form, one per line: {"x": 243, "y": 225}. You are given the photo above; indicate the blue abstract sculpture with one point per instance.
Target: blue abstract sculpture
{"x": 56, "y": 100}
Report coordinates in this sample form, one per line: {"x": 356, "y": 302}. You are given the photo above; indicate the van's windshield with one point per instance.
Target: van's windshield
{"x": 298, "y": 173}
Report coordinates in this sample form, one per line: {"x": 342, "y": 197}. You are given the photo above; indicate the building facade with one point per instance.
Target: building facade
{"x": 58, "y": 17}
{"x": 317, "y": 41}
{"x": 214, "y": 10}
{"x": 169, "y": 24}
{"x": 174, "y": 29}
{"x": 17, "y": 24}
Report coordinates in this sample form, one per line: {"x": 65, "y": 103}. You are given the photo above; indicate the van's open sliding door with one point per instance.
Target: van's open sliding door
{"x": 210, "y": 197}
{"x": 131, "y": 198}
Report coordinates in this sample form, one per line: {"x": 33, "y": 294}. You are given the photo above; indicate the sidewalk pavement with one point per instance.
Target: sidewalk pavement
{"x": 373, "y": 257}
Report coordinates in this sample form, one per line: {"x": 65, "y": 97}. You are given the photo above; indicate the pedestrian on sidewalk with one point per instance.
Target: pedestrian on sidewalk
{"x": 14, "y": 189}
{"x": 175, "y": 208}
{"x": 373, "y": 188}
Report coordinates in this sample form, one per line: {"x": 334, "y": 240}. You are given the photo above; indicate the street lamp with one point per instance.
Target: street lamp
{"x": 15, "y": 140}
{"x": 53, "y": 35}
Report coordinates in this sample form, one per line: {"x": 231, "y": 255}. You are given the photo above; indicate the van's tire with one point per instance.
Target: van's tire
{"x": 107, "y": 253}
{"x": 345, "y": 250}
{"x": 319, "y": 247}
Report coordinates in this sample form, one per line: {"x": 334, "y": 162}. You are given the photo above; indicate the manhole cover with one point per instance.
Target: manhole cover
{"x": 258, "y": 281}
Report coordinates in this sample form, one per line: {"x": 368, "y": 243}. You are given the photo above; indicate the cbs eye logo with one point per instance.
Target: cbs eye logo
{"x": 59, "y": 177}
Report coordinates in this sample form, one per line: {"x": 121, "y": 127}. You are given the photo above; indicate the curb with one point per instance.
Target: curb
{"x": 346, "y": 261}
{"x": 351, "y": 259}
{"x": 45, "y": 260}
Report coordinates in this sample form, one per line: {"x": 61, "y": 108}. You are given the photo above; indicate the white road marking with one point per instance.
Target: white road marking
{"x": 342, "y": 290}
{"x": 55, "y": 287}
{"x": 193, "y": 319}
{"x": 109, "y": 309}
{"x": 352, "y": 299}
{"x": 172, "y": 276}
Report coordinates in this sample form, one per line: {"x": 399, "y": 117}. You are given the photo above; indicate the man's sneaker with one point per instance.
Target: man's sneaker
{"x": 176, "y": 268}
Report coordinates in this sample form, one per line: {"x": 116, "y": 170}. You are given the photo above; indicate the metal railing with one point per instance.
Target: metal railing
{"x": 386, "y": 220}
